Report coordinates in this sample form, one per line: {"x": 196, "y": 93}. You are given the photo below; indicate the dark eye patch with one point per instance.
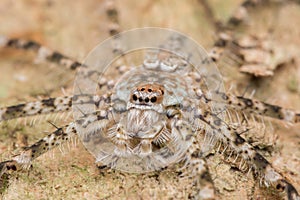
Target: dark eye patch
{"x": 153, "y": 99}
{"x": 134, "y": 97}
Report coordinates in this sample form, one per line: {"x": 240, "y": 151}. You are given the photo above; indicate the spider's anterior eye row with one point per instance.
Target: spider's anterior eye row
{"x": 149, "y": 93}
{"x": 140, "y": 99}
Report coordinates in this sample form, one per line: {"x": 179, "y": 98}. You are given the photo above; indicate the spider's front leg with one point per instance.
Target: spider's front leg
{"x": 250, "y": 106}
{"x": 51, "y": 105}
{"x": 24, "y": 159}
{"x": 195, "y": 166}
{"x": 261, "y": 108}
{"x": 43, "y": 52}
{"x": 58, "y": 137}
{"x": 198, "y": 170}
{"x": 231, "y": 140}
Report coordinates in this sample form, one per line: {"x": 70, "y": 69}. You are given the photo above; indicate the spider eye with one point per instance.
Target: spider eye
{"x": 149, "y": 90}
{"x": 153, "y": 99}
{"x": 134, "y": 97}
{"x": 147, "y": 100}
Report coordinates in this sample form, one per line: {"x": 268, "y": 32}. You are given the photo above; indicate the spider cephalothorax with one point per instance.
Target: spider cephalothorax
{"x": 147, "y": 127}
